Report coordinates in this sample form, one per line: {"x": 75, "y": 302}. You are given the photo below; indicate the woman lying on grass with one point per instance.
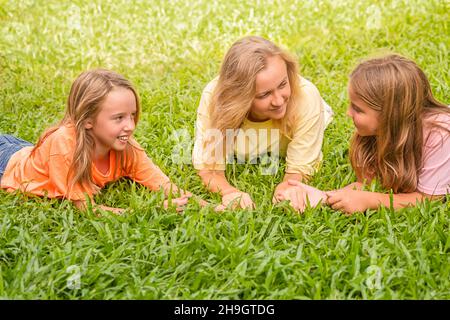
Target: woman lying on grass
{"x": 402, "y": 138}
{"x": 93, "y": 145}
{"x": 259, "y": 105}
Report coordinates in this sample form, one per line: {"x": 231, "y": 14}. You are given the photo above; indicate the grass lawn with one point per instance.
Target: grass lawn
{"x": 170, "y": 50}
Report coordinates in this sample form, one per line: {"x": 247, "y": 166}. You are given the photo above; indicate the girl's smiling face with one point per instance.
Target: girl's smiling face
{"x": 115, "y": 122}
{"x": 365, "y": 119}
{"x": 272, "y": 91}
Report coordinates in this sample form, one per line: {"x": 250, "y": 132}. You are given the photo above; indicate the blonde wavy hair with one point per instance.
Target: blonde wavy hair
{"x": 235, "y": 91}
{"x": 87, "y": 93}
{"x": 400, "y": 91}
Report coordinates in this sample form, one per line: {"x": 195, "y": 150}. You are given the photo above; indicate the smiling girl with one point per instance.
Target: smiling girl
{"x": 92, "y": 145}
{"x": 402, "y": 137}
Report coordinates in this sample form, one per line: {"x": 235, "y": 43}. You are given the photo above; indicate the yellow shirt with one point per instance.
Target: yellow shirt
{"x": 303, "y": 151}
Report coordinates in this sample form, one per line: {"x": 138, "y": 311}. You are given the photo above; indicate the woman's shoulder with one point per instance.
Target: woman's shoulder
{"x": 310, "y": 100}
{"x": 209, "y": 88}
{"x": 306, "y": 85}
{"x": 204, "y": 105}
{"x": 309, "y": 94}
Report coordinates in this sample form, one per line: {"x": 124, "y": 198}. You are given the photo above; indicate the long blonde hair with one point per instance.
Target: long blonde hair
{"x": 235, "y": 90}
{"x": 400, "y": 91}
{"x": 87, "y": 93}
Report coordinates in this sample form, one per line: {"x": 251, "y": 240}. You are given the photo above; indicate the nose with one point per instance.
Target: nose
{"x": 349, "y": 112}
{"x": 277, "y": 100}
{"x": 129, "y": 125}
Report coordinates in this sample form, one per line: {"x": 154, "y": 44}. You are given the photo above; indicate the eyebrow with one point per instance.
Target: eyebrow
{"x": 355, "y": 106}
{"x": 264, "y": 92}
{"x": 121, "y": 113}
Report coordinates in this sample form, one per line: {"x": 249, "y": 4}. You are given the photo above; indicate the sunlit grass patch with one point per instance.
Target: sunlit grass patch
{"x": 170, "y": 50}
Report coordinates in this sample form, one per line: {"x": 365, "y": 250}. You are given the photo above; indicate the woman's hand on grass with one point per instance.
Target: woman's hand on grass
{"x": 313, "y": 196}
{"x": 237, "y": 199}
{"x": 293, "y": 193}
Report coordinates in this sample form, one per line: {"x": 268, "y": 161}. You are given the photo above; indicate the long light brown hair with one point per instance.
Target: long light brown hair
{"x": 236, "y": 87}
{"x": 87, "y": 93}
{"x": 400, "y": 91}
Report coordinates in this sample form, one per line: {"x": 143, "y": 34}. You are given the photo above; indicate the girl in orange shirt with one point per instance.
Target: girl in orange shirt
{"x": 91, "y": 146}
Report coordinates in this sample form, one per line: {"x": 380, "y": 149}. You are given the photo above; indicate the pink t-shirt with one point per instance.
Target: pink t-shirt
{"x": 434, "y": 177}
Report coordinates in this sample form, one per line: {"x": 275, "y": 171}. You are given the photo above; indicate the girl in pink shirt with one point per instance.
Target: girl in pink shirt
{"x": 402, "y": 138}
{"x": 93, "y": 145}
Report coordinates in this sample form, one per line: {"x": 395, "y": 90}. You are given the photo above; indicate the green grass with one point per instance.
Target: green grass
{"x": 170, "y": 50}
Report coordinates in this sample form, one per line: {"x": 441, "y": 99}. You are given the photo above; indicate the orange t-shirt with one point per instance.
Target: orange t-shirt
{"x": 45, "y": 171}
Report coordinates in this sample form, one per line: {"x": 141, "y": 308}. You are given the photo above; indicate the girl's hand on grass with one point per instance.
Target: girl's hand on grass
{"x": 348, "y": 201}
{"x": 178, "y": 203}
{"x": 219, "y": 208}
{"x": 238, "y": 199}
{"x": 182, "y": 193}
{"x": 185, "y": 193}
{"x": 354, "y": 186}
{"x": 182, "y": 197}
{"x": 97, "y": 208}
{"x": 172, "y": 189}
{"x": 117, "y": 211}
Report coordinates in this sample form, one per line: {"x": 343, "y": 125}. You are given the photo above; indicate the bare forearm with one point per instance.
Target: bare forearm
{"x": 350, "y": 201}
{"x": 215, "y": 181}
{"x": 400, "y": 200}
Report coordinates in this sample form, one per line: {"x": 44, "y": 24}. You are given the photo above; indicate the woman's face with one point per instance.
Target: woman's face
{"x": 272, "y": 91}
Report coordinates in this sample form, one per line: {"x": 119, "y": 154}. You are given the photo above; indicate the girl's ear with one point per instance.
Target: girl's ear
{"x": 89, "y": 124}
